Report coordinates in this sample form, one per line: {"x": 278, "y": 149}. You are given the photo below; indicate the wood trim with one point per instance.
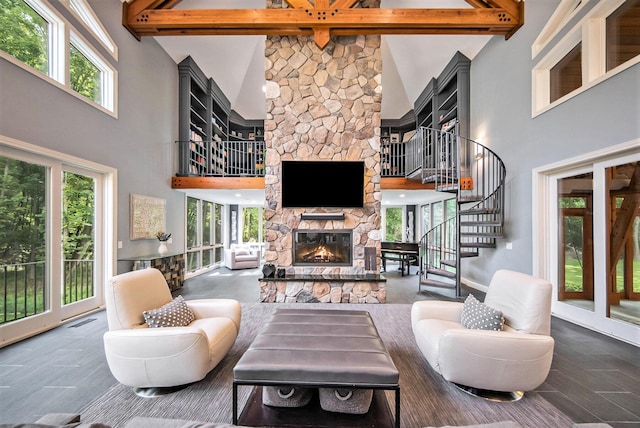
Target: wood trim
{"x": 401, "y": 183}
{"x": 217, "y": 182}
{"x": 386, "y": 183}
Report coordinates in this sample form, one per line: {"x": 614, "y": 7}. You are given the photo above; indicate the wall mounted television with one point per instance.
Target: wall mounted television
{"x": 322, "y": 184}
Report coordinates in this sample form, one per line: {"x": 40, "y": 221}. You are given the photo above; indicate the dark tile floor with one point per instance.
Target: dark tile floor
{"x": 593, "y": 378}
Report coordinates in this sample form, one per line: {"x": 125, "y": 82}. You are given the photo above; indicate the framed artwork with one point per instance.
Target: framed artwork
{"x": 147, "y": 216}
{"x": 395, "y": 137}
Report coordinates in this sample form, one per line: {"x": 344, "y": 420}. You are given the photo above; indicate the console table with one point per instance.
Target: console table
{"x": 171, "y": 265}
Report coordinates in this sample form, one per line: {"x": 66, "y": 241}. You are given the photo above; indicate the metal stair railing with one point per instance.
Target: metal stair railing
{"x": 476, "y": 175}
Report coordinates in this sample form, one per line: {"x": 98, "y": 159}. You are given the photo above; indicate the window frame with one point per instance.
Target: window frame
{"x": 591, "y": 32}
{"x": 88, "y": 19}
{"x": 60, "y": 35}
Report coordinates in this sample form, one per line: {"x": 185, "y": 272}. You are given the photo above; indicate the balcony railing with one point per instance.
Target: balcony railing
{"x": 222, "y": 158}
{"x": 25, "y": 293}
{"x": 246, "y": 159}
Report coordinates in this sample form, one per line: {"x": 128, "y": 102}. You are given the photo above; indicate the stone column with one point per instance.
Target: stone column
{"x": 322, "y": 105}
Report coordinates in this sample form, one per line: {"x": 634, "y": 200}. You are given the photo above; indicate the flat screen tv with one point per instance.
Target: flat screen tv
{"x": 322, "y": 184}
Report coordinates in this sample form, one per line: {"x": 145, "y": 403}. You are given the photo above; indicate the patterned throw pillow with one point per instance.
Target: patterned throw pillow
{"x": 173, "y": 314}
{"x": 477, "y": 315}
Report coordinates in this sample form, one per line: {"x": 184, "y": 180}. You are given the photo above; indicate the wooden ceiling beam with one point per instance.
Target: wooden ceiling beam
{"x": 382, "y": 19}
{"x": 156, "y": 18}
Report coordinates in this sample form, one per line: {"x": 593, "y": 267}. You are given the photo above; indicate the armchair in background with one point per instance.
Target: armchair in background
{"x": 241, "y": 257}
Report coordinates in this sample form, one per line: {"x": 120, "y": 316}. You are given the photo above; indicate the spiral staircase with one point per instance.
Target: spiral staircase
{"x": 476, "y": 175}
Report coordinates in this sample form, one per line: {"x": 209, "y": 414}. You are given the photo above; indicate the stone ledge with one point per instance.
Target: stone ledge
{"x": 323, "y": 290}
{"x": 332, "y": 278}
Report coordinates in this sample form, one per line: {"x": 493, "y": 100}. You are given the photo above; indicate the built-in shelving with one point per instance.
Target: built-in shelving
{"x": 445, "y": 100}
{"x": 213, "y": 139}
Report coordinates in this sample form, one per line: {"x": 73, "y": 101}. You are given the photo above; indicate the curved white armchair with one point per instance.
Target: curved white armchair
{"x": 143, "y": 357}
{"x": 517, "y": 358}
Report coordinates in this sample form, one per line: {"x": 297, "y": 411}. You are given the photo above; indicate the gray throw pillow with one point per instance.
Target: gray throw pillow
{"x": 173, "y": 314}
{"x": 477, "y": 315}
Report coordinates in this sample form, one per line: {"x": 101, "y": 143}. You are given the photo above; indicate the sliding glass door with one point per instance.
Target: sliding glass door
{"x": 50, "y": 228}
{"x": 589, "y": 231}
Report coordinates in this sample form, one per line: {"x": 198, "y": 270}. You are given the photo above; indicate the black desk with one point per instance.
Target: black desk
{"x": 406, "y": 252}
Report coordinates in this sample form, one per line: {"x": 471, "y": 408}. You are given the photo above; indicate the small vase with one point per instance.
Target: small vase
{"x": 162, "y": 249}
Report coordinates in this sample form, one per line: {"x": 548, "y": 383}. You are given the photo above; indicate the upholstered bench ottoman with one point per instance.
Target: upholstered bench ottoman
{"x": 318, "y": 348}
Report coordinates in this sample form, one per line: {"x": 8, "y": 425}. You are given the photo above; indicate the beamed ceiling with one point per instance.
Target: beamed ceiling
{"x": 322, "y": 19}
{"x": 226, "y": 38}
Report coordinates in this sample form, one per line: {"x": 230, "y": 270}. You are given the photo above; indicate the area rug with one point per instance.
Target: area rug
{"x": 426, "y": 399}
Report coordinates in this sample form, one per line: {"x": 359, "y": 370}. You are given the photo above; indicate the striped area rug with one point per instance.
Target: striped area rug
{"x": 426, "y": 399}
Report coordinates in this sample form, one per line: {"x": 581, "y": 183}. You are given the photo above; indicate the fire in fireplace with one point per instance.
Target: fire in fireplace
{"x": 321, "y": 247}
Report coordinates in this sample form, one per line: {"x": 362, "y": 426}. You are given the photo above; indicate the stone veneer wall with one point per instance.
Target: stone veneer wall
{"x": 322, "y": 104}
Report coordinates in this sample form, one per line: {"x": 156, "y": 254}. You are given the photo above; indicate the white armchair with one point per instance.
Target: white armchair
{"x": 241, "y": 257}
{"x": 515, "y": 359}
{"x": 143, "y": 357}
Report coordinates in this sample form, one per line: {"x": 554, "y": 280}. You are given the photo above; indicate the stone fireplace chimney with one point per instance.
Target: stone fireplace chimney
{"x": 322, "y": 104}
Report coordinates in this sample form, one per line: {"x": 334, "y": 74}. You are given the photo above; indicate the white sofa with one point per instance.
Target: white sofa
{"x": 518, "y": 358}
{"x": 241, "y": 257}
{"x": 143, "y": 357}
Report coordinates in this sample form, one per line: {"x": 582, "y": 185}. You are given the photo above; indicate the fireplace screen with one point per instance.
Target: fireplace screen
{"x": 320, "y": 247}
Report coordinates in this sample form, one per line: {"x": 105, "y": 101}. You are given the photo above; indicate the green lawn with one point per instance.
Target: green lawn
{"x": 573, "y": 275}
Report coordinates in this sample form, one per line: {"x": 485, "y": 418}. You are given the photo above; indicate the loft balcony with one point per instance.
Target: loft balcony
{"x": 241, "y": 165}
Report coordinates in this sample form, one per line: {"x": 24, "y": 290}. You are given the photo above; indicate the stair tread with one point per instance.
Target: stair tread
{"x": 448, "y": 262}
{"x": 477, "y": 245}
{"x": 480, "y": 211}
{"x": 482, "y": 234}
{"x": 434, "y": 283}
{"x": 481, "y": 223}
{"x": 466, "y": 199}
{"x": 469, "y": 253}
{"x": 442, "y": 272}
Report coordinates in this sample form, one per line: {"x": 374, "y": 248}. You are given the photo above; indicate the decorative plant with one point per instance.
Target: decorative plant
{"x": 163, "y": 236}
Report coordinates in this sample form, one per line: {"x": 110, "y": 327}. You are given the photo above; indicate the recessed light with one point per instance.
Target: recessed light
{"x": 401, "y": 195}
{"x": 238, "y": 195}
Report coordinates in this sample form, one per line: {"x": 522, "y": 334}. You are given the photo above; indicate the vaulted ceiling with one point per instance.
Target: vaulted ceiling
{"x": 236, "y": 63}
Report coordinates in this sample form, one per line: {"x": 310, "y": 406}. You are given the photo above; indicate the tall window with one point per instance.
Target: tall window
{"x": 78, "y": 236}
{"x": 575, "y": 252}
{"x": 252, "y": 224}
{"x": 23, "y": 253}
{"x": 204, "y": 234}
{"x": 393, "y": 224}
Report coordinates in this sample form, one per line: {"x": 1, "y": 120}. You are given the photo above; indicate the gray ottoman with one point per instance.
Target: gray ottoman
{"x": 318, "y": 348}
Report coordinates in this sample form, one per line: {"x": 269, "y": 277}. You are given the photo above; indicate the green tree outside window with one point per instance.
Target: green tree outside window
{"x": 24, "y": 34}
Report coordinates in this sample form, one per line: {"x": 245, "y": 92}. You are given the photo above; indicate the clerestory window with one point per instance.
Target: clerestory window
{"x": 604, "y": 42}
{"x": 34, "y": 36}
{"x": 623, "y": 34}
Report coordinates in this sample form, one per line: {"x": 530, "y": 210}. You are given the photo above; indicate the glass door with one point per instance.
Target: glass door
{"x": 52, "y": 235}
{"x": 575, "y": 252}
{"x": 79, "y": 213}
{"x": 623, "y": 201}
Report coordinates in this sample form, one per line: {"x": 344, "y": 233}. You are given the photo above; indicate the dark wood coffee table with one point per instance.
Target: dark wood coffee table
{"x": 318, "y": 348}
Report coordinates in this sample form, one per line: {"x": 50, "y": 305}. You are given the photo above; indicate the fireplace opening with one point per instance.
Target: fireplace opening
{"x": 321, "y": 248}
